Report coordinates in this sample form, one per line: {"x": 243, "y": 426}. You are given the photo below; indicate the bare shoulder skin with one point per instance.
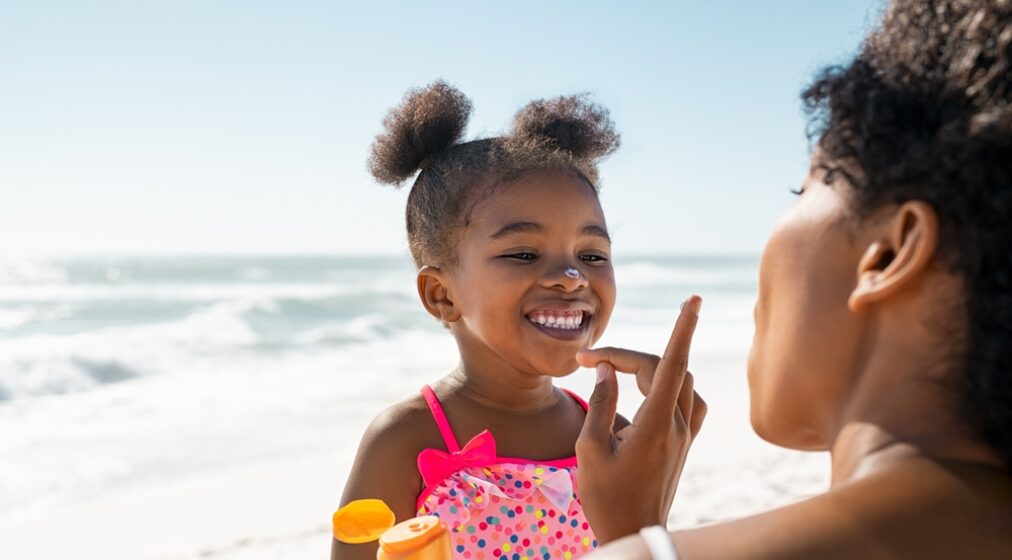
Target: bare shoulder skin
{"x": 911, "y": 510}
{"x": 385, "y": 466}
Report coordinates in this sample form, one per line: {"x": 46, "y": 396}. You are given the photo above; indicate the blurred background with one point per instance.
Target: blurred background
{"x": 204, "y": 297}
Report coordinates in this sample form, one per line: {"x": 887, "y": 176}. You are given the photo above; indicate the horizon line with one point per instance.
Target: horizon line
{"x": 316, "y": 254}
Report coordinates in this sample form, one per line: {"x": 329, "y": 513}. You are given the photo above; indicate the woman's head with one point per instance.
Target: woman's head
{"x": 907, "y": 213}
{"x": 494, "y": 225}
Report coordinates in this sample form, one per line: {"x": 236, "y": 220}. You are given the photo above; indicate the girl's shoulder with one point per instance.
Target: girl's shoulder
{"x": 406, "y": 426}
{"x": 385, "y": 465}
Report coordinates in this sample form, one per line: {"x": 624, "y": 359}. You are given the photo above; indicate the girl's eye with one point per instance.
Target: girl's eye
{"x": 797, "y": 192}
{"x": 593, "y": 258}
{"x": 522, "y": 256}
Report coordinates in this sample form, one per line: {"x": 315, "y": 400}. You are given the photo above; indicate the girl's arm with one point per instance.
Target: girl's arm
{"x": 385, "y": 468}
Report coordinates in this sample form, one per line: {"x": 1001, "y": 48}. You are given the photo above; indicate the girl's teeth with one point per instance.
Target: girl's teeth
{"x": 559, "y": 322}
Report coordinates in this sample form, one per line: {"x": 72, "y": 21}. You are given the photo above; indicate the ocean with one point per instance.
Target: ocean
{"x": 126, "y": 375}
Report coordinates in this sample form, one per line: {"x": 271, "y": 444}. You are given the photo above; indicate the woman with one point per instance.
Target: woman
{"x": 883, "y": 323}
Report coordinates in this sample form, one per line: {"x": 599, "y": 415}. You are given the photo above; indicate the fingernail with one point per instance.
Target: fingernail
{"x": 602, "y": 371}
{"x": 694, "y": 302}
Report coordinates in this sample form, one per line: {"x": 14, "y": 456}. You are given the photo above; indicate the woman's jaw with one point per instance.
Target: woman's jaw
{"x": 806, "y": 337}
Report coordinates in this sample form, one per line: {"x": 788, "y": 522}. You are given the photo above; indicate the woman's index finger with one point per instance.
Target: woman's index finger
{"x": 663, "y": 397}
{"x": 623, "y": 360}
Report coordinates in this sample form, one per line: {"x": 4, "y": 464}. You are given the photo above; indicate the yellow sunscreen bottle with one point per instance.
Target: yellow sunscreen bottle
{"x": 419, "y": 538}
{"x": 362, "y": 521}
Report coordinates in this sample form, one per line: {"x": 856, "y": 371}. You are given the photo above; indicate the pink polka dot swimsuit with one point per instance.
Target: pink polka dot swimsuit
{"x": 502, "y": 508}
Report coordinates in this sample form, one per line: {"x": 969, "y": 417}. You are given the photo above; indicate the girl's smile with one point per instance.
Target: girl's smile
{"x": 565, "y": 320}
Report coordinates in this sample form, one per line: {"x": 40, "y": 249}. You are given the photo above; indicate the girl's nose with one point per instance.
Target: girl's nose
{"x": 566, "y": 276}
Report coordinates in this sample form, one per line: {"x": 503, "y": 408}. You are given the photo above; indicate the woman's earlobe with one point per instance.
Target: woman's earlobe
{"x": 434, "y": 292}
{"x": 893, "y": 262}
{"x": 872, "y": 265}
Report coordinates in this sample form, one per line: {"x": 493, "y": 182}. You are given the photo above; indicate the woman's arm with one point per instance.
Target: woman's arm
{"x": 820, "y": 527}
{"x": 808, "y": 529}
{"x": 385, "y": 468}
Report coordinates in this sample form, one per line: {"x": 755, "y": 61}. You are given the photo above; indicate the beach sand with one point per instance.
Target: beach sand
{"x": 281, "y": 510}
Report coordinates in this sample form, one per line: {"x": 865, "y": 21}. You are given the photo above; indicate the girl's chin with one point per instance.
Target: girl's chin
{"x": 563, "y": 373}
{"x": 558, "y": 370}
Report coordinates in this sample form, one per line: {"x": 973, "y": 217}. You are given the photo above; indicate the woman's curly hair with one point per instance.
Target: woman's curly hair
{"x": 425, "y": 131}
{"x": 924, "y": 112}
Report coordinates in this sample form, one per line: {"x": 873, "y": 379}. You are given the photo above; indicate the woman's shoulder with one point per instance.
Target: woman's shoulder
{"x": 926, "y": 510}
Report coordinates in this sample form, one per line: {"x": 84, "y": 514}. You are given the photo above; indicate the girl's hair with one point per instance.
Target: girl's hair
{"x": 424, "y": 133}
{"x": 924, "y": 112}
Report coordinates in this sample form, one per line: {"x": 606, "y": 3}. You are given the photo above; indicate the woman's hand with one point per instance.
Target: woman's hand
{"x": 628, "y": 478}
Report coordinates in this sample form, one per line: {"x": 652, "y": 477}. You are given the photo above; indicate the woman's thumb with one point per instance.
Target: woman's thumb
{"x": 603, "y": 404}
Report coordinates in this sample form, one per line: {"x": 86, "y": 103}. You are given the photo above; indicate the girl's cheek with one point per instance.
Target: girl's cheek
{"x": 609, "y": 288}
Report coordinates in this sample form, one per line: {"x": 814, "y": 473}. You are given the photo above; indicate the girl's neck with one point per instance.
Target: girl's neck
{"x": 515, "y": 394}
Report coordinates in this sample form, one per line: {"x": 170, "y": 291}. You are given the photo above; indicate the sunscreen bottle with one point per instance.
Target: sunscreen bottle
{"x": 419, "y": 538}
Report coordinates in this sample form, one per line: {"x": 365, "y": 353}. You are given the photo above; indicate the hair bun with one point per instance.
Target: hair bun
{"x": 570, "y": 123}
{"x": 428, "y": 121}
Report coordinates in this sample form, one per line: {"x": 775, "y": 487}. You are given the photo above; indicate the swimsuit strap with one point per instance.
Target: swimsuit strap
{"x": 578, "y": 399}
{"x": 440, "y": 417}
{"x": 444, "y": 425}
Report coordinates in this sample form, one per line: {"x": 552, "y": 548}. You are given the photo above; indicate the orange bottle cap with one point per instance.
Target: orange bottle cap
{"x": 412, "y": 534}
{"x": 362, "y": 521}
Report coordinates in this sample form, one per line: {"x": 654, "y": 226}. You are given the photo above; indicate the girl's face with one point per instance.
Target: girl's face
{"x": 806, "y": 340}
{"x": 518, "y": 305}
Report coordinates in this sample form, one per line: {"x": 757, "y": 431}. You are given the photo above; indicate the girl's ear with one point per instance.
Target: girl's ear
{"x": 894, "y": 261}
{"x": 433, "y": 289}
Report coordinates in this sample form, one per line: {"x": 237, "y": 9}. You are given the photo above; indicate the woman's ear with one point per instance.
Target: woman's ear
{"x": 900, "y": 255}
{"x": 434, "y": 291}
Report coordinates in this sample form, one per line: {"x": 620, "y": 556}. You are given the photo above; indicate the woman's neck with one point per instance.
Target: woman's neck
{"x": 897, "y": 415}
{"x": 903, "y": 403}
{"x": 863, "y": 449}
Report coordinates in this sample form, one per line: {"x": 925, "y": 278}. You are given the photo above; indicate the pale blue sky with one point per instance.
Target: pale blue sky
{"x": 243, "y": 127}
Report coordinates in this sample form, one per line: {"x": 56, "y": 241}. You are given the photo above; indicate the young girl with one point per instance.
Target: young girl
{"x": 513, "y": 257}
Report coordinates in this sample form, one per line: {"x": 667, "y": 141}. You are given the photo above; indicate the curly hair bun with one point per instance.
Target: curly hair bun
{"x": 428, "y": 121}
{"x": 569, "y": 123}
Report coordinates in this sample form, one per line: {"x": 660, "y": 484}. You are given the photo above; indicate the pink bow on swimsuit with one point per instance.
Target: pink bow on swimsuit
{"x": 436, "y": 465}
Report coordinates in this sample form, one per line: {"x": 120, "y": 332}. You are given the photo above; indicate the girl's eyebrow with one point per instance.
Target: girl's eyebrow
{"x": 517, "y": 227}
{"x": 597, "y": 231}
{"x": 533, "y": 227}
